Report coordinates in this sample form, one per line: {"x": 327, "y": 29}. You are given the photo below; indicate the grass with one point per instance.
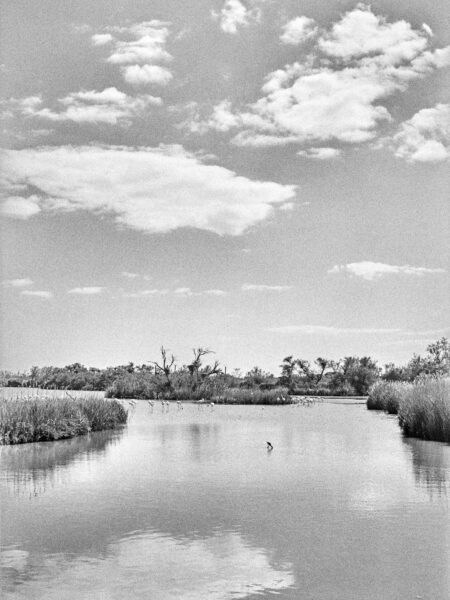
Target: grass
{"x": 386, "y": 395}
{"x": 424, "y": 411}
{"x": 246, "y": 396}
{"x": 423, "y": 407}
{"x": 39, "y": 418}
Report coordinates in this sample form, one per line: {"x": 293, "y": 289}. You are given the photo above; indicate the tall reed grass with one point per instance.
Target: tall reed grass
{"x": 46, "y": 418}
{"x": 424, "y": 411}
{"x": 246, "y": 396}
{"x": 386, "y": 395}
{"x": 423, "y": 407}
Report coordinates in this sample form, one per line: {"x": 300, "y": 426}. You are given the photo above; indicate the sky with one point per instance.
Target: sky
{"x": 261, "y": 178}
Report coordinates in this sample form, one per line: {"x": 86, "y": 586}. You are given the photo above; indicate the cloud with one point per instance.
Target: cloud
{"x": 137, "y": 75}
{"x": 251, "y": 287}
{"x": 145, "y": 293}
{"x": 234, "y": 15}
{"x": 130, "y": 275}
{"x": 17, "y": 207}
{"x": 37, "y": 294}
{"x": 323, "y": 153}
{"x": 147, "y": 189}
{"x": 298, "y": 31}
{"x": 17, "y": 283}
{"x": 109, "y": 106}
{"x": 141, "y": 56}
{"x": 324, "y": 330}
{"x": 373, "y": 270}
{"x": 186, "y": 292}
{"x": 336, "y": 92}
{"x": 101, "y": 39}
{"x": 425, "y": 137}
{"x": 87, "y": 291}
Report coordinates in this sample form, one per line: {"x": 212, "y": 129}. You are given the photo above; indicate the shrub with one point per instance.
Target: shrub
{"x": 246, "y": 396}
{"x": 386, "y": 395}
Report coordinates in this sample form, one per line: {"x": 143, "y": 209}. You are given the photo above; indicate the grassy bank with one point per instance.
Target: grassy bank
{"x": 423, "y": 407}
{"x": 46, "y": 418}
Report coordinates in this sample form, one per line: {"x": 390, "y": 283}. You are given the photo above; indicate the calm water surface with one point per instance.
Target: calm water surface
{"x": 188, "y": 504}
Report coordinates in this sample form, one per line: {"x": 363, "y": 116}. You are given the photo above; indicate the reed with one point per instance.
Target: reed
{"x": 424, "y": 411}
{"x": 386, "y": 395}
{"x": 39, "y": 418}
{"x": 249, "y": 396}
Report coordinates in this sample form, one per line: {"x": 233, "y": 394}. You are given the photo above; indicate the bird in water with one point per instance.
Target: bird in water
{"x": 269, "y": 446}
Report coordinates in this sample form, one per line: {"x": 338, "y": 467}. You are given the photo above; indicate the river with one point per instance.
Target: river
{"x": 189, "y": 504}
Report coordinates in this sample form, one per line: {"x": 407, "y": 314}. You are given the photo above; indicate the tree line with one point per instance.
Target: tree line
{"x": 203, "y": 377}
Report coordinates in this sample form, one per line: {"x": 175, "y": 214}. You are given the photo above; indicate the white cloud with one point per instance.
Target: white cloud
{"x": 426, "y": 136}
{"x": 87, "y": 291}
{"x": 323, "y": 153}
{"x": 336, "y": 92}
{"x": 214, "y": 293}
{"x": 101, "y": 39}
{"x": 374, "y": 270}
{"x": 141, "y": 56}
{"x": 130, "y": 275}
{"x": 251, "y": 287}
{"x": 186, "y": 292}
{"x": 109, "y": 106}
{"x": 145, "y": 293}
{"x": 234, "y": 15}
{"x": 17, "y": 207}
{"x": 148, "y": 189}
{"x": 18, "y": 283}
{"x": 298, "y": 31}
{"x": 138, "y": 75}
{"x": 37, "y": 294}
{"x": 324, "y": 330}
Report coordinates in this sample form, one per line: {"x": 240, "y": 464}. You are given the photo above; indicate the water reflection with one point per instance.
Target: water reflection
{"x": 30, "y": 468}
{"x": 431, "y": 465}
{"x": 219, "y": 567}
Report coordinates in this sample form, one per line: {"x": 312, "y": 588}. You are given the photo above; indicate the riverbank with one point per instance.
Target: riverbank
{"x": 423, "y": 407}
{"x": 38, "y": 418}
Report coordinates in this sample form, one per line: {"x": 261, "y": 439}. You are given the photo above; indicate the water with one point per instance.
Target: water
{"x": 188, "y": 504}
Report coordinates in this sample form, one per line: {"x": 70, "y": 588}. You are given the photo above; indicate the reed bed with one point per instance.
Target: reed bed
{"x": 38, "y": 418}
{"x": 246, "y": 396}
{"x": 424, "y": 411}
{"x": 387, "y": 395}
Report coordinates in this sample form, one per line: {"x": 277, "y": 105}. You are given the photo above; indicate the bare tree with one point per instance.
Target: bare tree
{"x": 199, "y": 374}
{"x": 165, "y": 369}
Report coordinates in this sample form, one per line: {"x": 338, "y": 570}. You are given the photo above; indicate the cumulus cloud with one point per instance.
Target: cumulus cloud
{"x": 130, "y": 275}
{"x": 87, "y": 291}
{"x": 101, "y": 39}
{"x": 37, "y": 294}
{"x": 138, "y": 75}
{"x": 298, "y": 31}
{"x": 374, "y": 270}
{"x": 139, "y": 50}
{"x": 17, "y": 283}
{"x": 425, "y": 137}
{"x": 148, "y": 189}
{"x": 109, "y": 106}
{"x": 235, "y": 14}
{"x": 323, "y": 153}
{"x": 336, "y": 92}
{"x": 252, "y": 287}
{"x": 17, "y": 207}
{"x": 145, "y": 293}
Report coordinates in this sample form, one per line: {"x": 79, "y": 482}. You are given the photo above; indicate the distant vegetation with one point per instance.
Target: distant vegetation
{"x": 45, "y": 418}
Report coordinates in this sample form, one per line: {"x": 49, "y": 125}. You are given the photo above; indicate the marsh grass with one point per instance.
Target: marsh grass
{"x": 386, "y": 395}
{"x": 38, "y": 418}
{"x": 424, "y": 411}
{"x": 246, "y": 396}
